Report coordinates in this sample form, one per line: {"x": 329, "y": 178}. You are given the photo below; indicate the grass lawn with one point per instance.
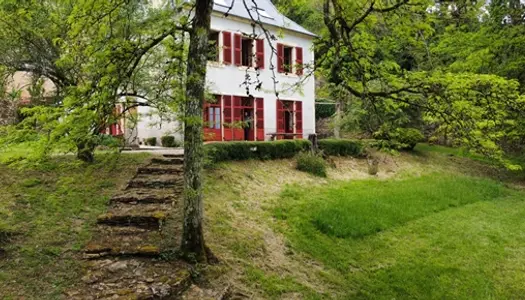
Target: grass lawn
{"x": 50, "y": 208}
{"x": 433, "y": 225}
{"x": 435, "y": 236}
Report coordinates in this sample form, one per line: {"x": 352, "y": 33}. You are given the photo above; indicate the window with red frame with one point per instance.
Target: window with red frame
{"x": 212, "y": 120}
{"x": 289, "y": 119}
{"x": 285, "y": 59}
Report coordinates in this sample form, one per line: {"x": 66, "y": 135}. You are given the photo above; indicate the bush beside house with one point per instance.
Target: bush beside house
{"x": 218, "y": 152}
{"x": 338, "y": 147}
{"x": 152, "y": 141}
{"x": 169, "y": 141}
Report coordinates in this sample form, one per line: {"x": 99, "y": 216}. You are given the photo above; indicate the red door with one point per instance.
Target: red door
{"x": 299, "y": 119}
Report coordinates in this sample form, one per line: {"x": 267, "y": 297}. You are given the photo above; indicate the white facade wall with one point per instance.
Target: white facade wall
{"x": 225, "y": 79}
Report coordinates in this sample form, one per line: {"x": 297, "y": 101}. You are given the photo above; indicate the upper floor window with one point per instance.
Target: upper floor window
{"x": 247, "y": 52}
{"x": 213, "y": 46}
{"x": 289, "y": 59}
{"x": 234, "y": 48}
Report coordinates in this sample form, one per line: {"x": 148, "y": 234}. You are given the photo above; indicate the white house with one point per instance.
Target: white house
{"x": 240, "y": 49}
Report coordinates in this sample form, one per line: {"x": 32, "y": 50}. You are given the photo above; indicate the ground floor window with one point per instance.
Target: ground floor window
{"x": 234, "y": 118}
{"x": 289, "y": 119}
{"x": 212, "y": 119}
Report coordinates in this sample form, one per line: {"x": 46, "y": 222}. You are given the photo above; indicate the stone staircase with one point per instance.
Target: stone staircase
{"x": 124, "y": 259}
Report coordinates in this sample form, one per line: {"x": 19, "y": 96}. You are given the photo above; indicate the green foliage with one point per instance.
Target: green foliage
{"x": 323, "y": 111}
{"x": 169, "y": 141}
{"x": 341, "y": 147}
{"x": 398, "y": 138}
{"x": 311, "y": 163}
{"x": 98, "y": 54}
{"x": 109, "y": 141}
{"x": 152, "y": 141}
{"x": 227, "y": 151}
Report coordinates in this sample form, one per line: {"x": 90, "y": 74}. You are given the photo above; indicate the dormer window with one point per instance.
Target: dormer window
{"x": 221, "y": 3}
{"x": 261, "y": 12}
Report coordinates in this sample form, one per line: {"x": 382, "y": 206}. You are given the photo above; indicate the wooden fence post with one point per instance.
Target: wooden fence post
{"x": 313, "y": 140}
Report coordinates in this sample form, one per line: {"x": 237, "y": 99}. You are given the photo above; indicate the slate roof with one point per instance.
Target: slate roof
{"x": 267, "y": 11}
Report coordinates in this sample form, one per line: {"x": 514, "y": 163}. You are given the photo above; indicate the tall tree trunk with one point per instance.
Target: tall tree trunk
{"x": 192, "y": 238}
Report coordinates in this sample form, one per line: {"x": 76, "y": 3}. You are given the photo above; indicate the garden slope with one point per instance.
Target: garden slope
{"x": 430, "y": 225}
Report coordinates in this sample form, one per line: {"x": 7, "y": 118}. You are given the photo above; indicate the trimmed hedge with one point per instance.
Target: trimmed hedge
{"x": 169, "y": 141}
{"x": 218, "y": 152}
{"x": 152, "y": 141}
{"x": 337, "y": 147}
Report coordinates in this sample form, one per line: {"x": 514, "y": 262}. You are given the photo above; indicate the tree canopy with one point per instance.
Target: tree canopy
{"x": 453, "y": 69}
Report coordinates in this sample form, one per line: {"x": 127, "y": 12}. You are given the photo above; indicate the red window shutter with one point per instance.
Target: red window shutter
{"x": 227, "y": 47}
{"x": 260, "y": 118}
{"x": 299, "y": 118}
{"x": 280, "y": 58}
{"x": 205, "y": 116}
{"x": 280, "y": 117}
{"x": 228, "y": 133}
{"x": 227, "y": 109}
{"x": 237, "y": 45}
{"x": 299, "y": 60}
{"x": 260, "y": 53}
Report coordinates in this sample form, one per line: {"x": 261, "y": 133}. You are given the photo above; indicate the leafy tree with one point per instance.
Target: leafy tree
{"x": 399, "y": 64}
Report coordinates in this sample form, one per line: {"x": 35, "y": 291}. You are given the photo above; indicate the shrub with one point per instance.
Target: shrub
{"x": 338, "y": 147}
{"x": 109, "y": 141}
{"x": 227, "y": 151}
{"x": 398, "y": 139}
{"x": 152, "y": 141}
{"x": 169, "y": 141}
{"x": 311, "y": 163}
{"x": 409, "y": 137}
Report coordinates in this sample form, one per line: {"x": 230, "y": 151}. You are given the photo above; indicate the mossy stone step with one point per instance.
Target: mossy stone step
{"x": 136, "y": 278}
{"x": 151, "y": 220}
{"x": 96, "y": 251}
{"x": 137, "y": 196}
{"x": 168, "y": 160}
{"x": 173, "y": 155}
{"x": 159, "y": 169}
{"x": 155, "y": 182}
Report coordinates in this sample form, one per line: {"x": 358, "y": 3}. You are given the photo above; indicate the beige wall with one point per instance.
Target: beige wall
{"x": 22, "y": 80}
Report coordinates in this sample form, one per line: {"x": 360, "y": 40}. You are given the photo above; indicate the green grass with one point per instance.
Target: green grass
{"x": 360, "y": 208}
{"x": 439, "y": 236}
{"x": 52, "y": 206}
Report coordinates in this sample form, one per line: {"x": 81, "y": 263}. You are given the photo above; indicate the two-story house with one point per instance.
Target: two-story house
{"x": 237, "y": 49}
